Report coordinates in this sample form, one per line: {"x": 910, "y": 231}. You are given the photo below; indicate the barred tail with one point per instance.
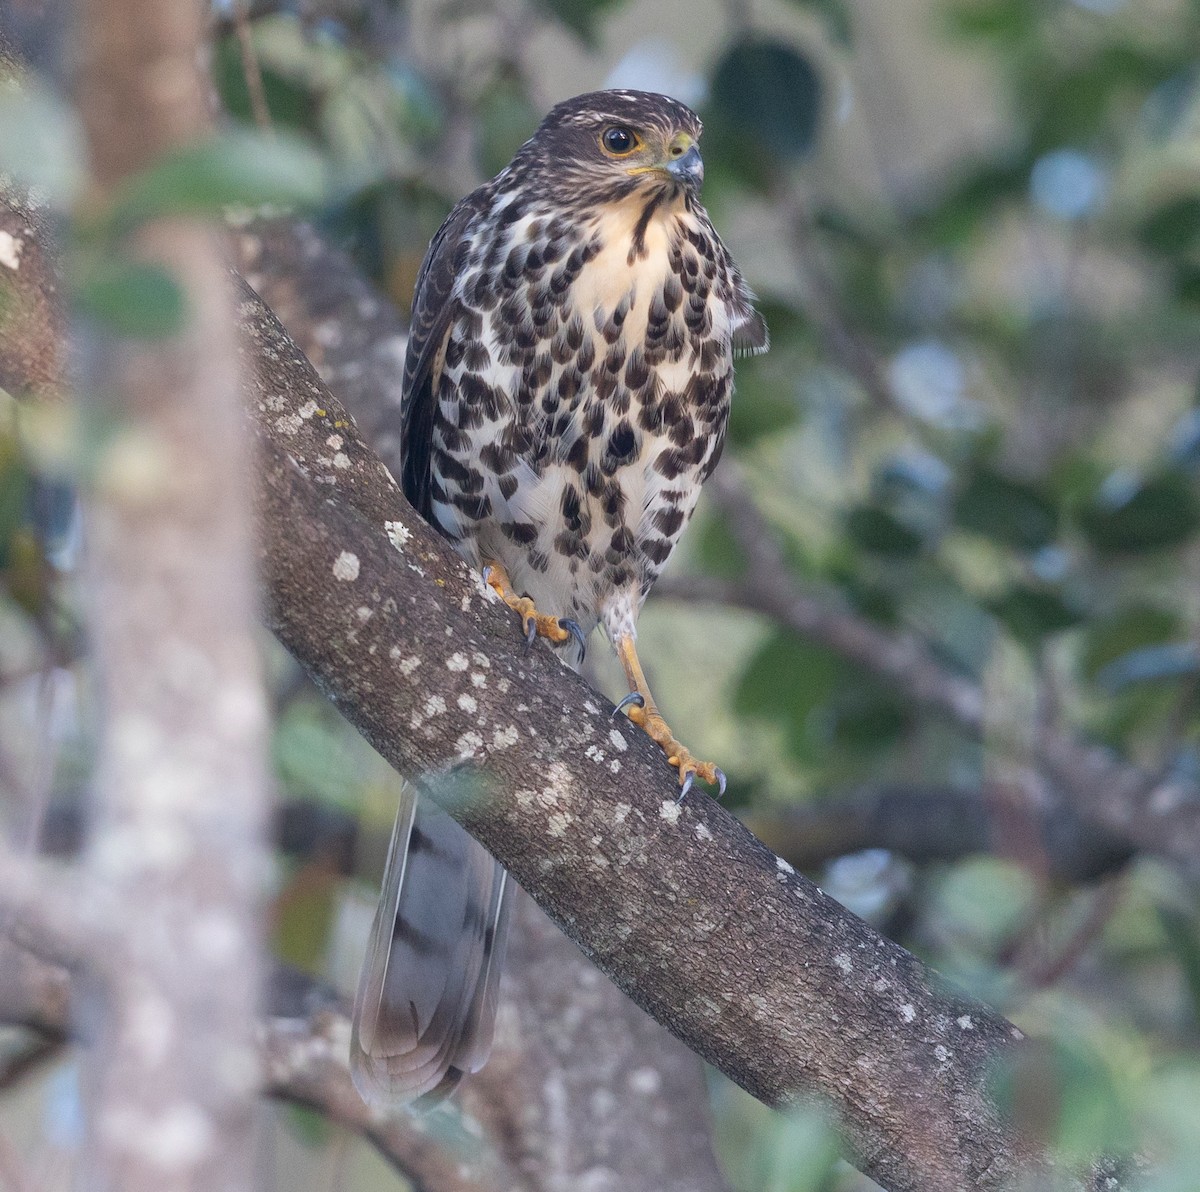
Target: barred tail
{"x": 426, "y": 1006}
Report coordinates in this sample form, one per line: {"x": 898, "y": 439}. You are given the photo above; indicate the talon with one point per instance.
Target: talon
{"x": 533, "y": 623}
{"x": 634, "y": 697}
{"x": 572, "y": 627}
{"x": 655, "y": 727}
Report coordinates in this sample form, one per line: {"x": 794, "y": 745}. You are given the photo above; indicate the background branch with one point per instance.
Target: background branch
{"x": 304, "y": 1047}
{"x": 1157, "y": 816}
{"x": 931, "y": 824}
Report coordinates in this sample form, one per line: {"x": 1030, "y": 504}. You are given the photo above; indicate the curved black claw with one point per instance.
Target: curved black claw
{"x": 572, "y": 627}
{"x": 687, "y": 786}
{"x": 720, "y": 781}
{"x": 634, "y": 697}
{"x": 531, "y": 632}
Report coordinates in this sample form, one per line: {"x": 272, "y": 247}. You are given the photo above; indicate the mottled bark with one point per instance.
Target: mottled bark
{"x": 31, "y": 331}
{"x": 175, "y": 855}
{"x": 609, "y": 1101}
{"x": 352, "y": 335}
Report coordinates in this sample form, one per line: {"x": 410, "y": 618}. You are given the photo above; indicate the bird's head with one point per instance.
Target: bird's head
{"x": 610, "y": 144}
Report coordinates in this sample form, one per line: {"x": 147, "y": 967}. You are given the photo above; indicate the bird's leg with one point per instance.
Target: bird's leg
{"x": 533, "y": 623}
{"x": 640, "y": 707}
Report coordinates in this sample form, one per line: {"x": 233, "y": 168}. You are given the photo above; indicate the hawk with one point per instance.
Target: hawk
{"x": 566, "y": 393}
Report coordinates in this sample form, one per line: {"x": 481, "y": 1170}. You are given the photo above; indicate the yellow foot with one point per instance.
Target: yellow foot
{"x": 533, "y": 623}
{"x": 646, "y": 716}
{"x": 639, "y": 706}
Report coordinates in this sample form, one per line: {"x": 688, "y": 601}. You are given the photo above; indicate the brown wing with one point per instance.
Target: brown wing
{"x": 434, "y": 311}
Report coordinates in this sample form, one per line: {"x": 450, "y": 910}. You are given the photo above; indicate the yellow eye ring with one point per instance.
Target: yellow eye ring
{"x": 619, "y": 141}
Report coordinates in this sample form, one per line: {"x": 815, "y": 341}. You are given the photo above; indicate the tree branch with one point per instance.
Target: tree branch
{"x": 559, "y": 1095}
{"x": 749, "y": 964}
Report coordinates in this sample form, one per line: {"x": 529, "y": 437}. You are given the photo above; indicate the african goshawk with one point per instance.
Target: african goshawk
{"x": 566, "y": 393}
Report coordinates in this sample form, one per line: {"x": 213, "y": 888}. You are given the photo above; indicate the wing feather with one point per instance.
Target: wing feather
{"x": 433, "y": 314}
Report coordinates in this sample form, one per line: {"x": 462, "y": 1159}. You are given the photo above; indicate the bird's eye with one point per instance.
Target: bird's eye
{"x": 619, "y": 140}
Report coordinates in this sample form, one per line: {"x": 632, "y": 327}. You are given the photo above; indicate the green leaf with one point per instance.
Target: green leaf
{"x": 972, "y": 200}
{"x": 290, "y": 102}
{"x": 881, "y": 532}
{"x": 1180, "y": 930}
{"x": 764, "y": 404}
{"x": 1005, "y": 510}
{"x": 875, "y": 601}
{"x": 1159, "y": 512}
{"x": 798, "y": 1154}
{"x": 1072, "y": 104}
{"x": 1007, "y": 20}
{"x": 41, "y": 143}
{"x": 133, "y": 298}
{"x": 788, "y": 680}
{"x": 983, "y": 902}
{"x": 14, "y": 496}
{"x": 1173, "y": 228}
{"x": 304, "y": 912}
{"x": 769, "y": 95}
{"x": 235, "y": 168}
{"x": 1185, "y": 282}
{"x": 1031, "y": 613}
{"x": 719, "y": 551}
{"x": 867, "y": 722}
{"x": 505, "y": 120}
{"x": 312, "y": 1128}
{"x": 314, "y": 758}
{"x": 1125, "y": 632}
{"x": 1063, "y": 1091}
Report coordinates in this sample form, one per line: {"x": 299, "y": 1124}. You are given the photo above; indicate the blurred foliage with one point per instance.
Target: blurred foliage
{"x": 22, "y": 560}
{"x": 979, "y": 423}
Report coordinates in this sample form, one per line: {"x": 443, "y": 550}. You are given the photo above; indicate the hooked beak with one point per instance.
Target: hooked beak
{"x": 688, "y": 169}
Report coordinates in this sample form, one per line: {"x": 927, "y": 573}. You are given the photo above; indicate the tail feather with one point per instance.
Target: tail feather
{"x": 426, "y": 1005}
